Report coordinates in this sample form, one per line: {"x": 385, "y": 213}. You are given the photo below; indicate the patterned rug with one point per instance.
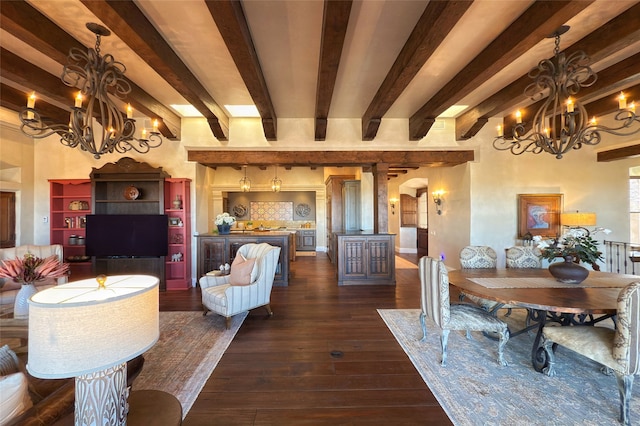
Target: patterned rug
{"x": 184, "y": 357}
{"x": 474, "y": 390}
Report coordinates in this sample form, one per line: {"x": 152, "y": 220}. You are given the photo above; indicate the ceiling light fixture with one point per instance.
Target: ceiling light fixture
{"x": 96, "y": 125}
{"x": 562, "y": 122}
{"x": 275, "y": 182}
{"x": 245, "y": 183}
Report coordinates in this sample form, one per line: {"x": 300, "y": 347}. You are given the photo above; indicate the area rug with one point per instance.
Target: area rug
{"x": 184, "y": 357}
{"x": 474, "y": 390}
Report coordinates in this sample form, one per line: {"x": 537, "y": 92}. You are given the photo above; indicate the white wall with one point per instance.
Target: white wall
{"x": 479, "y": 202}
{"x": 489, "y": 186}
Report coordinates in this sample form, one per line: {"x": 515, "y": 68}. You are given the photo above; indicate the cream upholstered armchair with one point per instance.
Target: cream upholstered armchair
{"x": 616, "y": 349}
{"x": 524, "y": 257}
{"x": 435, "y": 304}
{"x": 223, "y": 296}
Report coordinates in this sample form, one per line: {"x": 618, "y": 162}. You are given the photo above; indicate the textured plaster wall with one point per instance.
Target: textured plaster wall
{"x": 479, "y": 204}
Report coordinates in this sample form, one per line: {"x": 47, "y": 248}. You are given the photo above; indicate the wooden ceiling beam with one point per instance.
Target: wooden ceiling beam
{"x": 437, "y": 20}
{"x": 33, "y": 78}
{"x": 623, "y": 153}
{"x": 536, "y": 23}
{"x": 232, "y": 24}
{"x": 15, "y": 99}
{"x": 335, "y": 20}
{"x": 616, "y": 34}
{"x": 126, "y": 20}
{"x": 26, "y": 23}
{"x": 214, "y": 158}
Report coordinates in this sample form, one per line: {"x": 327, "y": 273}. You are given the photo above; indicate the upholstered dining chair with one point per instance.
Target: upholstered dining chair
{"x": 248, "y": 285}
{"x": 436, "y": 305}
{"x": 472, "y": 257}
{"x": 525, "y": 257}
{"x": 618, "y": 350}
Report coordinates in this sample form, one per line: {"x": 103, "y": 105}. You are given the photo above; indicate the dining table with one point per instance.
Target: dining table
{"x": 545, "y": 298}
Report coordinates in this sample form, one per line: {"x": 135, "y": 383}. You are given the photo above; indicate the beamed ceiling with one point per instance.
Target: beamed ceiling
{"x": 367, "y": 60}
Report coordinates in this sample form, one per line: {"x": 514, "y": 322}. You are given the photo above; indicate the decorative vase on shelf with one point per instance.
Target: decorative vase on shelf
{"x": 177, "y": 203}
{"x": 21, "y": 304}
{"x": 224, "y": 229}
{"x": 568, "y": 271}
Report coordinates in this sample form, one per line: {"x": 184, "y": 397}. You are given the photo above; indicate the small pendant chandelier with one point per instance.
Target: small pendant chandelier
{"x": 275, "y": 182}
{"x": 245, "y": 183}
{"x": 562, "y": 123}
{"x": 96, "y": 125}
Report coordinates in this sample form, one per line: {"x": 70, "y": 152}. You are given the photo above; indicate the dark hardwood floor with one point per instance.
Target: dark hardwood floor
{"x": 325, "y": 357}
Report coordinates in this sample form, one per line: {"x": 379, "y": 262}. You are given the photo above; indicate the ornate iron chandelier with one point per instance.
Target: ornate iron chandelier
{"x": 96, "y": 125}
{"x": 562, "y": 123}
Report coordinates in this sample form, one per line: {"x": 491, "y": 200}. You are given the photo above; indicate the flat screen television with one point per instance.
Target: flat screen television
{"x": 127, "y": 235}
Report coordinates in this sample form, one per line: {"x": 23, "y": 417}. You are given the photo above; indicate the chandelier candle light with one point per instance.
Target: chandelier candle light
{"x": 96, "y": 125}
{"x": 562, "y": 123}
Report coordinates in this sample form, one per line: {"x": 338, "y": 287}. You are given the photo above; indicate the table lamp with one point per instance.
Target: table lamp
{"x": 89, "y": 331}
{"x": 578, "y": 220}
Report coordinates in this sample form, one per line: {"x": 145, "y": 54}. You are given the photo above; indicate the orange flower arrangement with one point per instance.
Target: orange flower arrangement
{"x": 31, "y": 268}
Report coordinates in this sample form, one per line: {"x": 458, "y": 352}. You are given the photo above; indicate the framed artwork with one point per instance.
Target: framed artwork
{"x": 539, "y": 214}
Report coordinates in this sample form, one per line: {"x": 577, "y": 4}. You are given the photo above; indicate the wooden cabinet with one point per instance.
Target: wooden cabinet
{"x": 306, "y": 240}
{"x": 69, "y": 203}
{"x": 334, "y": 212}
{"x": 351, "y": 205}
{"x": 177, "y": 206}
{"x": 132, "y": 188}
{"x": 366, "y": 259}
{"x": 215, "y": 250}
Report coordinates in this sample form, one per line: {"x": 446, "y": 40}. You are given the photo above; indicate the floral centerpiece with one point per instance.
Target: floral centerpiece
{"x": 224, "y": 222}
{"x": 27, "y": 271}
{"x": 574, "y": 246}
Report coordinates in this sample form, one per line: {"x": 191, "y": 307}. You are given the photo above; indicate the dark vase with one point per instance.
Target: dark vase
{"x": 224, "y": 229}
{"x": 568, "y": 271}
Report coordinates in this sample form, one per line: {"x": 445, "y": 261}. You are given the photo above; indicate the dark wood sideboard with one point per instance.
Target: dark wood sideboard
{"x": 215, "y": 250}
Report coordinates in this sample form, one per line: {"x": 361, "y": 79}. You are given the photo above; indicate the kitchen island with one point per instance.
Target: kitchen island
{"x": 365, "y": 258}
{"x": 215, "y": 250}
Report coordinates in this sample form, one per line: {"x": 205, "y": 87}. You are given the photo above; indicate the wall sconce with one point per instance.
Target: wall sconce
{"x": 392, "y": 203}
{"x": 437, "y": 198}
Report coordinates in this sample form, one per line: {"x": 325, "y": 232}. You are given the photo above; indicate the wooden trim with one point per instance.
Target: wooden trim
{"x": 214, "y": 158}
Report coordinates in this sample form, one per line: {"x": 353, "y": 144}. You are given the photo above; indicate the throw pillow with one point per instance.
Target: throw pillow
{"x": 241, "y": 269}
{"x": 8, "y": 361}
{"x": 15, "y": 397}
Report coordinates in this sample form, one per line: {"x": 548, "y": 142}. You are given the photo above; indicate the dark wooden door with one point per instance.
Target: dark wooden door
{"x": 423, "y": 242}
{"x": 7, "y": 219}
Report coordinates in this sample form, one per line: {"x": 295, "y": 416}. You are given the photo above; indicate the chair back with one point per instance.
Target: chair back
{"x": 266, "y": 262}
{"x": 626, "y": 341}
{"x": 434, "y": 284}
{"x": 478, "y": 257}
{"x": 524, "y": 257}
